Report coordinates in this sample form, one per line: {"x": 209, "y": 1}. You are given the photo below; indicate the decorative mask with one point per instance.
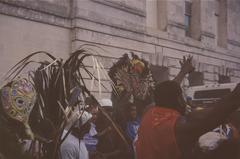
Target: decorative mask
{"x": 133, "y": 76}
{"x": 18, "y": 100}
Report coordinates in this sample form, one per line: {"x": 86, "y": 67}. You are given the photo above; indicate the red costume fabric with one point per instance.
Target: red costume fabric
{"x": 156, "y": 135}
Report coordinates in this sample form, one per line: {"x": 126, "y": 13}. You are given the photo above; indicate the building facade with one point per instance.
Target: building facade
{"x": 160, "y": 31}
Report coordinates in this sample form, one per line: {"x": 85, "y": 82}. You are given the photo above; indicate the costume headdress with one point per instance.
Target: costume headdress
{"x": 132, "y": 76}
{"x": 60, "y": 87}
{"x": 133, "y": 83}
{"x": 17, "y": 99}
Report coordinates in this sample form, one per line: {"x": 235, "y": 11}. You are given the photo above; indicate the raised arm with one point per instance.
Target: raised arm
{"x": 197, "y": 123}
{"x": 186, "y": 67}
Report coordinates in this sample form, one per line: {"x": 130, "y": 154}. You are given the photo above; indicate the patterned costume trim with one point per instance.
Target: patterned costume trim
{"x": 18, "y": 98}
{"x": 132, "y": 76}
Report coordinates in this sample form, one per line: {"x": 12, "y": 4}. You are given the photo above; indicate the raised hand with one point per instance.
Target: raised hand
{"x": 186, "y": 67}
{"x": 186, "y": 64}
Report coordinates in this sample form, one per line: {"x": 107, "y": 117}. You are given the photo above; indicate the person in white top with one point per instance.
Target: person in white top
{"x": 90, "y": 138}
{"x": 73, "y": 147}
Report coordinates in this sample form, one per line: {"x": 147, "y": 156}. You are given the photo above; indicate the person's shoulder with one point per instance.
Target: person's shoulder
{"x": 181, "y": 123}
{"x": 69, "y": 151}
{"x": 182, "y": 126}
{"x": 83, "y": 146}
{"x": 70, "y": 144}
{"x": 150, "y": 111}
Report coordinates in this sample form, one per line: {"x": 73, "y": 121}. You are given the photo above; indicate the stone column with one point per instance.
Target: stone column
{"x": 222, "y": 24}
{"x": 162, "y": 14}
{"x": 208, "y": 23}
{"x": 195, "y": 28}
{"x": 233, "y": 23}
{"x": 175, "y": 18}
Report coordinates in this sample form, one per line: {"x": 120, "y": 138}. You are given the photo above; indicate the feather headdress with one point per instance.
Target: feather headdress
{"x": 60, "y": 87}
{"x": 132, "y": 76}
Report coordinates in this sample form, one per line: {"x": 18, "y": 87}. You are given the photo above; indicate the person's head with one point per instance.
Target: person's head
{"x": 132, "y": 111}
{"x": 82, "y": 126}
{"x": 169, "y": 94}
{"x": 106, "y": 104}
{"x": 17, "y": 101}
{"x": 94, "y": 111}
{"x": 92, "y": 108}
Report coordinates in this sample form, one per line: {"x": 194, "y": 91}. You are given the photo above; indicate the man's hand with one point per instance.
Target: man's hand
{"x": 186, "y": 65}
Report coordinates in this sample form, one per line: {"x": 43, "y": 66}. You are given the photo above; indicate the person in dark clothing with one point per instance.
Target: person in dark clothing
{"x": 109, "y": 146}
{"x": 132, "y": 123}
{"x": 166, "y": 132}
{"x": 17, "y": 99}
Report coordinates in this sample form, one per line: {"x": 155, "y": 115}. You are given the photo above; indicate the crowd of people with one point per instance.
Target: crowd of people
{"x": 166, "y": 128}
{"x": 93, "y": 136}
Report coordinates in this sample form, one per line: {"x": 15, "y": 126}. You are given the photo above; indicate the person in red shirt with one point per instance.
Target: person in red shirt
{"x": 166, "y": 132}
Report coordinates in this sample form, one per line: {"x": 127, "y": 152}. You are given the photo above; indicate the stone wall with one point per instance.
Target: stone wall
{"x": 60, "y": 8}
{"x": 233, "y": 25}
{"x": 21, "y": 37}
{"x": 62, "y": 26}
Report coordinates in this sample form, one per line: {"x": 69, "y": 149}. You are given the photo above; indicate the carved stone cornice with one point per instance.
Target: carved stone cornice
{"x": 234, "y": 42}
{"x": 57, "y": 9}
{"x": 176, "y": 24}
{"x": 122, "y": 6}
{"x": 207, "y": 34}
{"x": 33, "y": 15}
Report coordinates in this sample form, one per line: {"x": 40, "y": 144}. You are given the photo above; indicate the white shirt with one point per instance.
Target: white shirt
{"x": 73, "y": 148}
{"x": 89, "y": 139}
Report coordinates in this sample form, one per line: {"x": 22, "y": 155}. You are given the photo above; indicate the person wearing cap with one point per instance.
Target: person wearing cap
{"x": 166, "y": 132}
{"x": 107, "y": 105}
{"x": 103, "y": 126}
{"x": 73, "y": 147}
{"x": 105, "y": 102}
{"x": 109, "y": 144}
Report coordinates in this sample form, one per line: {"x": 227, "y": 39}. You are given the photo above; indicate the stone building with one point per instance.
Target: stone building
{"x": 161, "y": 31}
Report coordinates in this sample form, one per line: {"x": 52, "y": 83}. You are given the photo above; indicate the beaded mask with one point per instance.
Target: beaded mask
{"x": 18, "y": 99}
{"x": 132, "y": 75}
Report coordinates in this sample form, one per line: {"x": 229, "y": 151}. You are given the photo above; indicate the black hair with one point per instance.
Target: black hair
{"x": 166, "y": 94}
{"x": 91, "y": 101}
